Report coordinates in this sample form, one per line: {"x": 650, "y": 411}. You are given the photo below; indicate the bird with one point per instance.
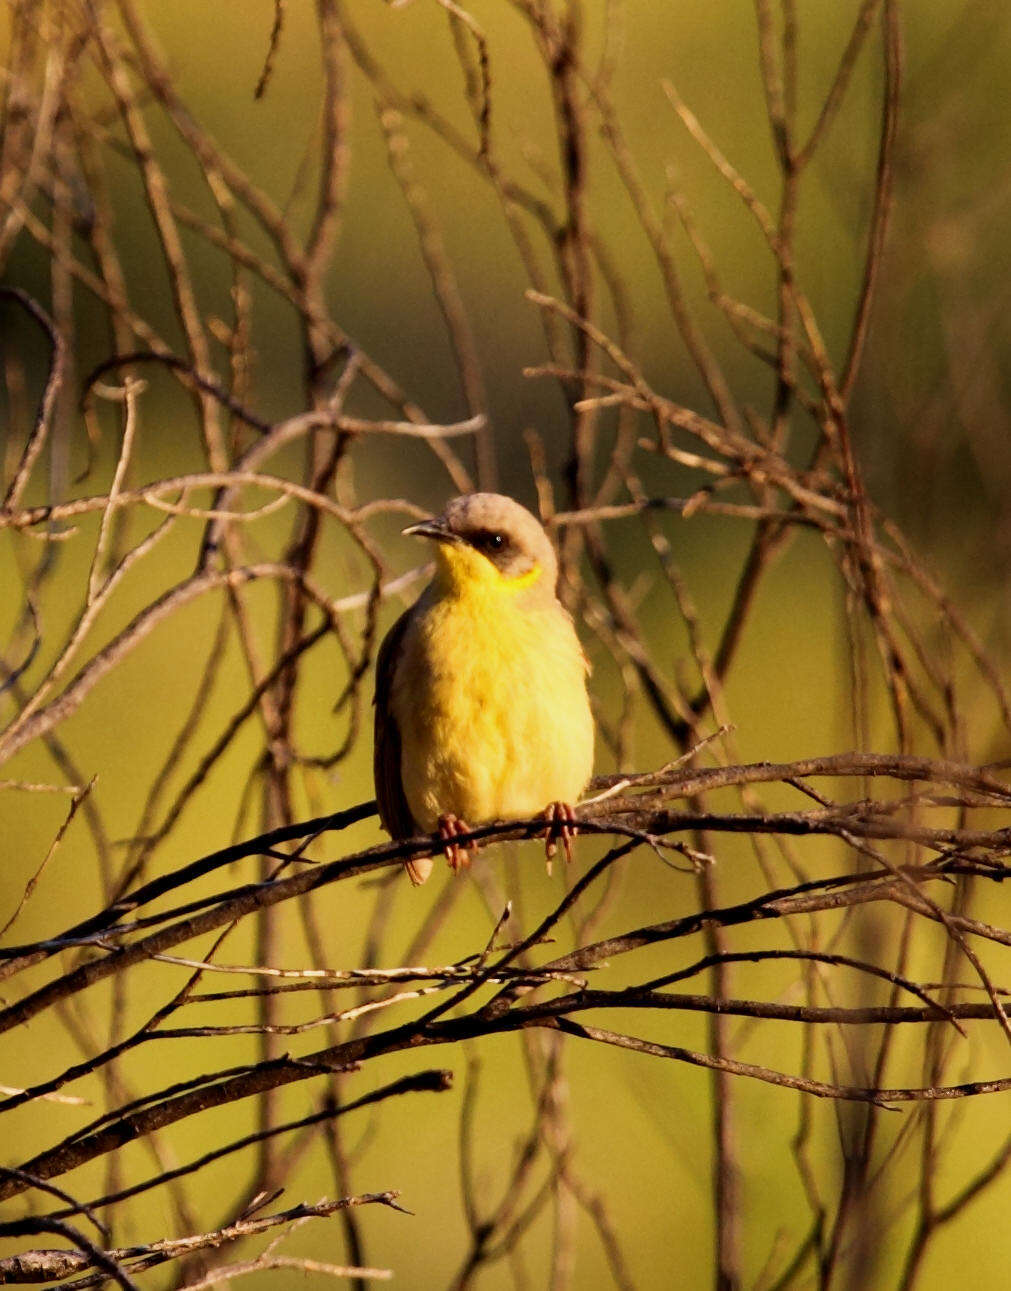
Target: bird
{"x": 481, "y": 703}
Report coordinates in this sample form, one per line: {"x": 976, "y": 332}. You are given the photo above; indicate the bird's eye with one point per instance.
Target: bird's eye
{"x": 488, "y": 540}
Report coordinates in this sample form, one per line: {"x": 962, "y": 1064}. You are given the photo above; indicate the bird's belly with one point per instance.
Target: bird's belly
{"x": 493, "y": 714}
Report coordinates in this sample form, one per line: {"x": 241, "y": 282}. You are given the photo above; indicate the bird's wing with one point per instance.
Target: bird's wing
{"x": 393, "y": 809}
{"x": 394, "y": 812}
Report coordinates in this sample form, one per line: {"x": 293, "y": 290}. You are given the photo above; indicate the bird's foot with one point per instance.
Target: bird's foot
{"x": 562, "y": 819}
{"x": 457, "y": 854}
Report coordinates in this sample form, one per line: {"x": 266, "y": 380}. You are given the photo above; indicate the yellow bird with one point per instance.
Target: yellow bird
{"x": 481, "y": 708}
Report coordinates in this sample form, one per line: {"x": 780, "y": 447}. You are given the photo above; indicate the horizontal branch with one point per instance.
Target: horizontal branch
{"x": 821, "y": 1089}
{"x": 275, "y": 1073}
{"x": 45, "y": 1265}
{"x": 264, "y": 1076}
{"x": 641, "y": 816}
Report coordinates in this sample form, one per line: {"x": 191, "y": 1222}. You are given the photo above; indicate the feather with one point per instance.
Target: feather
{"x": 394, "y": 812}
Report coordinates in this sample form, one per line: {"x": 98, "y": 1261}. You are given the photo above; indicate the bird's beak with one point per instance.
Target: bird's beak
{"x": 434, "y": 529}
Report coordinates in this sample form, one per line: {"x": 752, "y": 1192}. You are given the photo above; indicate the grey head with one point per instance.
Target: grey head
{"x": 501, "y": 530}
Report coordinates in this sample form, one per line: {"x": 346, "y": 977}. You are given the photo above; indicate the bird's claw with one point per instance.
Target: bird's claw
{"x": 561, "y": 822}
{"x": 457, "y": 854}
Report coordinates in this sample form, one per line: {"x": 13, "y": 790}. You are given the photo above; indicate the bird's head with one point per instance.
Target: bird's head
{"x": 485, "y": 541}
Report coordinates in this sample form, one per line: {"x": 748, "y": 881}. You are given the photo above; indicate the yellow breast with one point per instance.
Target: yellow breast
{"x": 490, "y": 699}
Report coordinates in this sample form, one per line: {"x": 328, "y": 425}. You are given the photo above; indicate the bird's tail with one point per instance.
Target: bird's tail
{"x": 419, "y": 869}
